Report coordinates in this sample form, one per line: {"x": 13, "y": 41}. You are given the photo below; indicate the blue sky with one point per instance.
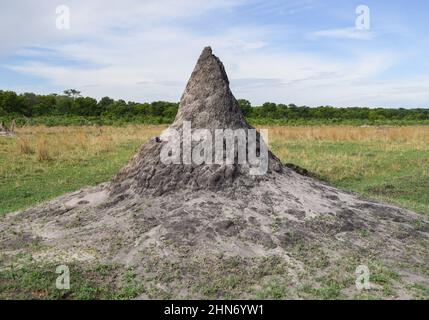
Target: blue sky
{"x": 306, "y": 52}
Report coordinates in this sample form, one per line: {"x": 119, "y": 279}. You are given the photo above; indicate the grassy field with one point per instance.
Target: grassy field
{"x": 40, "y": 163}
{"x": 387, "y": 163}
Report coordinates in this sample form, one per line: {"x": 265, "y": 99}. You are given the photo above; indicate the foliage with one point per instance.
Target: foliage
{"x": 73, "y": 109}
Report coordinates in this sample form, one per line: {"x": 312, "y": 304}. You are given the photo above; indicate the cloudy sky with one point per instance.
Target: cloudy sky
{"x": 292, "y": 51}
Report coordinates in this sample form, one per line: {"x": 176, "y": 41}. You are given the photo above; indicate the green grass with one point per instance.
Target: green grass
{"x": 397, "y": 175}
{"x": 49, "y": 179}
{"x": 37, "y": 281}
{"x": 69, "y": 120}
{"x": 396, "y": 171}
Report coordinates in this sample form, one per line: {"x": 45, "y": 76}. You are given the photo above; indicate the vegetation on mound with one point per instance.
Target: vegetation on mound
{"x": 216, "y": 277}
{"x": 87, "y": 282}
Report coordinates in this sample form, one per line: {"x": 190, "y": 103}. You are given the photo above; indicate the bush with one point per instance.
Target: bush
{"x": 72, "y": 109}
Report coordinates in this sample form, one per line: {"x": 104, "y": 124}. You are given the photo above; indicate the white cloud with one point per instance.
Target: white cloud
{"x": 33, "y": 24}
{"x": 145, "y": 50}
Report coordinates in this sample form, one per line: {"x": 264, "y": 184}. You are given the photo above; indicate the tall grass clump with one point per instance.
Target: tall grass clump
{"x": 25, "y": 147}
{"x": 42, "y": 150}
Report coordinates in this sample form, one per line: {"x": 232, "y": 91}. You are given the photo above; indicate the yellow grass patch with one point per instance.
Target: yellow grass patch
{"x": 416, "y": 135}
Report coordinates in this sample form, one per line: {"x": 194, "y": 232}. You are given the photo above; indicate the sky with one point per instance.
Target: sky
{"x": 307, "y": 52}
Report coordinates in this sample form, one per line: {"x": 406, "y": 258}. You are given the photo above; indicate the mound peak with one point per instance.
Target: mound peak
{"x": 207, "y": 103}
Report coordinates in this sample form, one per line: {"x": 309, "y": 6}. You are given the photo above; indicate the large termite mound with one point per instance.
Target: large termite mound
{"x": 207, "y": 103}
{"x": 198, "y": 215}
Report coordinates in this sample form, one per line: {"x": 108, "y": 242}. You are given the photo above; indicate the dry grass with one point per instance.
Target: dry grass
{"x": 64, "y": 144}
{"x": 357, "y": 158}
{"x": 25, "y": 146}
{"x": 61, "y": 143}
{"x": 415, "y": 135}
{"x": 341, "y": 152}
{"x": 42, "y": 150}
{"x": 389, "y": 163}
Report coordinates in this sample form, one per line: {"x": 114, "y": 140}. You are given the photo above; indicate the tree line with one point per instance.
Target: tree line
{"x": 72, "y": 104}
{"x": 272, "y": 110}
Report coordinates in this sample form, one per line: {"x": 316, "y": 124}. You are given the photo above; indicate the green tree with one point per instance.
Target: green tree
{"x": 245, "y": 106}
{"x": 269, "y": 110}
{"x": 2, "y": 111}
{"x": 282, "y": 110}
{"x": 73, "y": 93}
{"x": 85, "y": 107}
{"x": 104, "y": 104}
{"x": 11, "y": 102}
{"x": 29, "y": 101}
{"x": 63, "y": 105}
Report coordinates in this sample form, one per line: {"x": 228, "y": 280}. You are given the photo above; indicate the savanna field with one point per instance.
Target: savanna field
{"x": 386, "y": 163}
{"x": 100, "y": 201}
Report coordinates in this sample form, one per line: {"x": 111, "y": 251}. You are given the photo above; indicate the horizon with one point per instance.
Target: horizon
{"x": 287, "y": 104}
{"x": 309, "y": 53}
